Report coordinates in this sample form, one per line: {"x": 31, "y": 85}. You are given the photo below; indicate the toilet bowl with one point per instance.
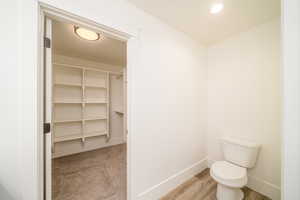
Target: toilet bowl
{"x": 231, "y": 174}
{"x": 230, "y": 179}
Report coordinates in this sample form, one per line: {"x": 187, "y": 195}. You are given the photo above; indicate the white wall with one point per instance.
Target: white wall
{"x": 115, "y": 120}
{"x": 168, "y": 109}
{"x": 244, "y": 99}
{"x": 291, "y": 82}
{"x": 168, "y": 116}
{"x": 9, "y": 160}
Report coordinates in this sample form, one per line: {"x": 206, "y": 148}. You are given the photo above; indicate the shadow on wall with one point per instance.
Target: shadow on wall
{"x": 4, "y": 195}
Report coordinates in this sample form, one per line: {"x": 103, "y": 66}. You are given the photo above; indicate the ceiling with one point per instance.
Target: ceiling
{"x": 106, "y": 50}
{"x": 193, "y": 16}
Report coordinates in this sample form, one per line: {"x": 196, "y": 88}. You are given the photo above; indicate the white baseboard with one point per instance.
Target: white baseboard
{"x": 76, "y": 146}
{"x": 161, "y": 189}
{"x": 210, "y": 162}
{"x": 268, "y": 189}
{"x": 157, "y": 191}
{"x": 263, "y": 187}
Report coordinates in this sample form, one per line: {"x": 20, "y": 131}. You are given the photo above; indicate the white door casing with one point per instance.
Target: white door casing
{"x": 48, "y": 109}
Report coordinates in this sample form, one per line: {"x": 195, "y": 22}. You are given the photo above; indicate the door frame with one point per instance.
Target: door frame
{"x": 131, "y": 38}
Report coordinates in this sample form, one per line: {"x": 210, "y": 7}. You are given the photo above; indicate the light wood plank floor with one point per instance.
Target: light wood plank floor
{"x": 203, "y": 187}
{"x": 93, "y": 175}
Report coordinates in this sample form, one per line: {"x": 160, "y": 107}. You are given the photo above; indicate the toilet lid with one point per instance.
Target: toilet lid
{"x": 229, "y": 174}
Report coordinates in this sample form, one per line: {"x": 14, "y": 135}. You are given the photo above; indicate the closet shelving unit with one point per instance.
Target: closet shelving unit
{"x": 80, "y": 102}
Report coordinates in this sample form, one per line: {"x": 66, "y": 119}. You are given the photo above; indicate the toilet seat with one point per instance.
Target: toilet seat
{"x": 229, "y": 174}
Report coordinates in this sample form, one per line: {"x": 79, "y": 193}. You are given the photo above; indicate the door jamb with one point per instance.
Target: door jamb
{"x": 131, "y": 39}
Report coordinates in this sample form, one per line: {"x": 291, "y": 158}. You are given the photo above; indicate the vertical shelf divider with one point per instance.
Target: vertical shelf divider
{"x": 107, "y": 106}
{"x": 83, "y": 100}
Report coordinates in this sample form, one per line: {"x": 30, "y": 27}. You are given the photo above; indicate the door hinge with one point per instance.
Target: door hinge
{"x": 47, "y": 42}
{"x": 47, "y": 128}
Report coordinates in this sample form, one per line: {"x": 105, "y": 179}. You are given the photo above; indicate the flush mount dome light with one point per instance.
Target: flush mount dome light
{"x": 86, "y": 34}
{"x": 216, "y": 8}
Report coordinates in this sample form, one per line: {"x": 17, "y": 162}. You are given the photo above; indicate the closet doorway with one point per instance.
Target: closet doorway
{"x": 85, "y": 113}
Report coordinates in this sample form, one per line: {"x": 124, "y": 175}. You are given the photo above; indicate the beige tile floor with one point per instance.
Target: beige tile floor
{"x": 203, "y": 187}
{"x": 93, "y": 175}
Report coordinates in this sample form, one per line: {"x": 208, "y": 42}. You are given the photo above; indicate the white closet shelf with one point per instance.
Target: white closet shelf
{"x": 95, "y": 86}
{"x": 79, "y": 120}
{"x": 95, "y": 101}
{"x": 94, "y": 134}
{"x": 69, "y": 84}
{"x": 94, "y": 119}
{"x": 68, "y": 121}
{"x": 99, "y": 102}
{"x": 79, "y": 102}
{"x": 86, "y": 68}
{"x": 91, "y": 101}
{"x": 67, "y": 101}
{"x": 80, "y": 136}
{"x": 67, "y": 138}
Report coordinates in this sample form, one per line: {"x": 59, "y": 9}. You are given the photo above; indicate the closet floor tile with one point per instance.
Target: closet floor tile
{"x": 94, "y": 175}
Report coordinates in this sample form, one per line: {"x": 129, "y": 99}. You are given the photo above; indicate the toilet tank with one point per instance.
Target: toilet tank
{"x": 240, "y": 152}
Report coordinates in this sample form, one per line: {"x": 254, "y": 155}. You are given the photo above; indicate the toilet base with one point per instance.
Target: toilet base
{"x": 229, "y": 193}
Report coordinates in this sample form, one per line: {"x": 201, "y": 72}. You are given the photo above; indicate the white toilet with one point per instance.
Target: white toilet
{"x": 231, "y": 174}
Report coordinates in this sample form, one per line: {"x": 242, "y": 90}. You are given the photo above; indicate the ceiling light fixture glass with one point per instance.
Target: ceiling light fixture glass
{"x": 216, "y": 8}
{"x": 86, "y": 34}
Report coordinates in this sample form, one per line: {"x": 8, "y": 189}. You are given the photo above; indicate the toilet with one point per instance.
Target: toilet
{"x": 231, "y": 174}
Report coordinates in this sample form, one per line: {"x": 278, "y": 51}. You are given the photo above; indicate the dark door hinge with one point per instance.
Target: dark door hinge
{"x": 47, "y": 128}
{"x": 47, "y": 42}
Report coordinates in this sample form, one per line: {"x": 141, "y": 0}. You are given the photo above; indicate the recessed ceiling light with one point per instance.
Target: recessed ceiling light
{"x": 216, "y": 8}
{"x": 86, "y": 34}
